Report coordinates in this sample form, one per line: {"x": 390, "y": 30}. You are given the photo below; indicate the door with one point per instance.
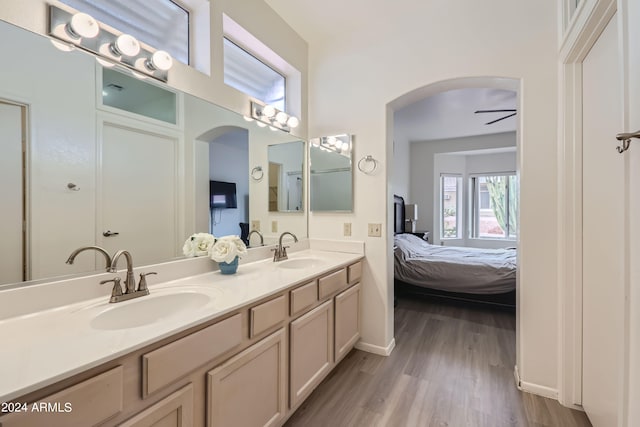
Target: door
{"x": 12, "y": 261}
{"x": 311, "y": 351}
{"x": 603, "y": 231}
{"x": 250, "y": 389}
{"x": 138, "y": 195}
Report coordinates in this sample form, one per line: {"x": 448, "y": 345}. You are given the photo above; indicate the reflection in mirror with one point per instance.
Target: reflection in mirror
{"x": 286, "y": 178}
{"x": 331, "y": 165}
{"x": 120, "y": 173}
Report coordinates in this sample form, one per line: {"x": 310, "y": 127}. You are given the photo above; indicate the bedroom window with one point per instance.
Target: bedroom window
{"x": 450, "y": 206}
{"x": 494, "y": 200}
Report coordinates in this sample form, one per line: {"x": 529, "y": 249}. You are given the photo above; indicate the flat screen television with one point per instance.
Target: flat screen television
{"x": 222, "y": 195}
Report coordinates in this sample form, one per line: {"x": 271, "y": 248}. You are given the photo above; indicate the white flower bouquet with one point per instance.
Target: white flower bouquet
{"x": 227, "y": 248}
{"x": 198, "y": 244}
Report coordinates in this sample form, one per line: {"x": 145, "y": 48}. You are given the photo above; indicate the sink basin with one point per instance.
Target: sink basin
{"x": 148, "y": 309}
{"x": 299, "y": 263}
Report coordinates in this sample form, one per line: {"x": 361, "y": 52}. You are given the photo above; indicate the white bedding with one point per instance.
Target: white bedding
{"x": 454, "y": 269}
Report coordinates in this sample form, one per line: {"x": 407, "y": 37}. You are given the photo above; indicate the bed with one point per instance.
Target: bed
{"x": 469, "y": 274}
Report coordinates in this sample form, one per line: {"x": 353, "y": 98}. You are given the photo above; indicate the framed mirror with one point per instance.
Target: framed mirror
{"x": 105, "y": 164}
{"x": 331, "y": 173}
{"x": 286, "y": 177}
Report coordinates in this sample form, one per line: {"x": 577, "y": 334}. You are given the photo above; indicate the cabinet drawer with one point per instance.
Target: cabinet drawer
{"x": 332, "y": 283}
{"x": 354, "y": 272}
{"x": 175, "y": 360}
{"x": 89, "y": 403}
{"x": 267, "y": 315}
{"x": 303, "y": 297}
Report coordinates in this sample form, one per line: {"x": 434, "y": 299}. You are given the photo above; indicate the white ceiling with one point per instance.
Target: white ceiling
{"x": 451, "y": 114}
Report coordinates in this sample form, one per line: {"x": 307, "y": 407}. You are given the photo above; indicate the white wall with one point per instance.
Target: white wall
{"x": 411, "y": 45}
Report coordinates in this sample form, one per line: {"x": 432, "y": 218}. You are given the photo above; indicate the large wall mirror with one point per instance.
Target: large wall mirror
{"x": 119, "y": 162}
{"x": 331, "y": 173}
{"x": 286, "y": 177}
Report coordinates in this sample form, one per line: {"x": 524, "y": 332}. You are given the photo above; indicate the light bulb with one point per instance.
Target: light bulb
{"x": 293, "y": 122}
{"x": 339, "y": 144}
{"x": 273, "y": 128}
{"x": 269, "y": 111}
{"x": 260, "y": 124}
{"x": 105, "y": 63}
{"x": 83, "y": 25}
{"x": 331, "y": 140}
{"x": 160, "y": 60}
{"x": 282, "y": 117}
{"x": 248, "y": 119}
{"x": 125, "y": 45}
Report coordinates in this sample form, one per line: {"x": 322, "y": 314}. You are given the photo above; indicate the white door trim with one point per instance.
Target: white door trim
{"x": 592, "y": 18}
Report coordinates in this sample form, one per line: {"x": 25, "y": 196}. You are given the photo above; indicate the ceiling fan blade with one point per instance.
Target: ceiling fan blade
{"x": 501, "y": 118}
{"x": 496, "y": 111}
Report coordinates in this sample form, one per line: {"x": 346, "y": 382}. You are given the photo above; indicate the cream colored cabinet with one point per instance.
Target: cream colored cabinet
{"x": 347, "y": 321}
{"x": 311, "y": 351}
{"x": 249, "y": 390}
{"x": 175, "y": 410}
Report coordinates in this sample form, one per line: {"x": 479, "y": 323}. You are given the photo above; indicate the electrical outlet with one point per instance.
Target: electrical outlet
{"x": 255, "y": 225}
{"x": 274, "y": 226}
{"x": 347, "y": 229}
{"x": 375, "y": 230}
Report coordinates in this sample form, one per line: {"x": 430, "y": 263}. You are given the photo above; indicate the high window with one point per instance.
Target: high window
{"x": 160, "y": 24}
{"x": 250, "y": 75}
{"x": 450, "y": 206}
{"x": 494, "y": 206}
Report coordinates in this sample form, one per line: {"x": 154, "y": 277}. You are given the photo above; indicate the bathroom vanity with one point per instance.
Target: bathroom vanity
{"x": 246, "y": 351}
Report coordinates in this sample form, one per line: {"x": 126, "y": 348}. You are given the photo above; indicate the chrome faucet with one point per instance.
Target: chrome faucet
{"x": 130, "y": 281}
{"x": 75, "y": 253}
{"x": 280, "y": 252}
{"x": 130, "y": 291}
{"x": 259, "y": 234}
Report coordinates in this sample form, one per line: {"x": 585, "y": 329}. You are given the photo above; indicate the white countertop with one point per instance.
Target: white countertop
{"x": 42, "y": 348}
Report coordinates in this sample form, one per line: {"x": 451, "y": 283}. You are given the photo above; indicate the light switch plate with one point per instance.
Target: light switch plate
{"x": 274, "y": 226}
{"x": 375, "y": 230}
{"x": 255, "y": 225}
{"x": 347, "y": 229}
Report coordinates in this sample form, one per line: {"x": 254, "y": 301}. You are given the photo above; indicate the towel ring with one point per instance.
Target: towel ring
{"x": 257, "y": 173}
{"x": 367, "y": 160}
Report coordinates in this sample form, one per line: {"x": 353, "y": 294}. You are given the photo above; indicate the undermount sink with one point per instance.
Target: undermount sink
{"x": 148, "y": 309}
{"x": 298, "y": 263}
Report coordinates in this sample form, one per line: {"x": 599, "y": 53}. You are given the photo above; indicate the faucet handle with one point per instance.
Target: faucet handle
{"x": 142, "y": 285}
{"x": 283, "y": 254}
{"x": 117, "y": 289}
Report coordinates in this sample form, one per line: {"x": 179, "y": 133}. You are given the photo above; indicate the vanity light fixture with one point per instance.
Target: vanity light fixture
{"x": 80, "y": 30}
{"x": 340, "y": 144}
{"x": 268, "y": 114}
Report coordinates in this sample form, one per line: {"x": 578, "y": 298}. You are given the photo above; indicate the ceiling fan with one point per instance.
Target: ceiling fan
{"x": 512, "y": 112}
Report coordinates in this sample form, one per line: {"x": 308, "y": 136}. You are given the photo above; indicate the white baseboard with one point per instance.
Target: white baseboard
{"x": 376, "y": 349}
{"x": 532, "y": 388}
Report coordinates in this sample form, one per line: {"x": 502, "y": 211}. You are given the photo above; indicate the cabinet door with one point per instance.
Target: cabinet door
{"x": 347, "y": 320}
{"x": 311, "y": 351}
{"x": 175, "y": 410}
{"x": 249, "y": 390}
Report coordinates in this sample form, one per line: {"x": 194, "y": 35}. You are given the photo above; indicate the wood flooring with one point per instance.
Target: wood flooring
{"x": 452, "y": 366}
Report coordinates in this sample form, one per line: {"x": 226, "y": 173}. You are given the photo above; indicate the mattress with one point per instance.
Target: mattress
{"x": 454, "y": 269}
